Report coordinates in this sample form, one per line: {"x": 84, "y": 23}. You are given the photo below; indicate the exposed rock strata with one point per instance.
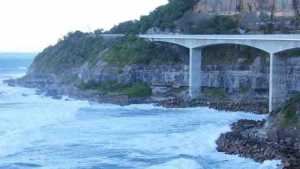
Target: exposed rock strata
{"x": 279, "y": 7}
{"x": 249, "y": 139}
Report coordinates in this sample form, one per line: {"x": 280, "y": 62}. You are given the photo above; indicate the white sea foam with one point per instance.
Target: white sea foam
{"x": 177, "y": 138}
{"x": 276, "y": 164}
{"x": 23, "y": 111}
{"x": 178, "y": 164}
{"x": 71, "y": 134}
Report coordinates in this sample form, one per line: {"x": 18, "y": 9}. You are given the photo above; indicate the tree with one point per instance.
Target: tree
{"x": 163, "y": 17}
{"x": 99, "y": 31}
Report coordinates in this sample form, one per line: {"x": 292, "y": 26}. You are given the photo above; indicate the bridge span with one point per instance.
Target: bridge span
{"x": 271, "y": 43}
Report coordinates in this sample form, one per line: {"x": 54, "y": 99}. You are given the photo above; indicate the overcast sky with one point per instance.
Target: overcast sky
{"x": 31, "y": 25}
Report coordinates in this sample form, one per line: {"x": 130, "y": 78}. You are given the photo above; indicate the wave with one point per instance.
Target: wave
{"x": 176, "y": 138}
{"x": 23, "y": 112}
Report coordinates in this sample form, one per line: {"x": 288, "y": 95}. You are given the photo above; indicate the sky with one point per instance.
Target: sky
{"x": 32, "y": 25}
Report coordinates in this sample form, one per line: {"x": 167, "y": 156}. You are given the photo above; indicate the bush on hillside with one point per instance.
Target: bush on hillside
{"x": 218, "y": 24}
{"x": 163, "y": 17}
{"x": 69, "y": 53}
{"x": 138, "y": 89}
{"x": 133, "y": 50}
{"x": 290, "y": 111}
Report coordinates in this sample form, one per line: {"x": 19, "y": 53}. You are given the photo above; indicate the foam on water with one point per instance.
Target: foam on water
{"x": 23, "y": 111}
{"x": 40, "y": 132}
{"x": 179, "y": 164}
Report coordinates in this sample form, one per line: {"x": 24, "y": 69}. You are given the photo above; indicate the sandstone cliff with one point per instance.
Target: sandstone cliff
{"x": 85, "y": 65}
{"x": 278, "y": 8}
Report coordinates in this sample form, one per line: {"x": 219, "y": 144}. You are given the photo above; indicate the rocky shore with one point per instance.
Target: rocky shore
{"x": 170, "y": 100}
{"x": 257, "y": 107}
{"x": 58, "y": 90}
{"x": 249, "y": 139}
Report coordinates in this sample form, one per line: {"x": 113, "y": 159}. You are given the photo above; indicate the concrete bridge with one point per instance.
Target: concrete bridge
{"x": 272, "y": 44}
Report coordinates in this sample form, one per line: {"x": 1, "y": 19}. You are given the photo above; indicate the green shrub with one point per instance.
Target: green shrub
{"x": 105, "y": 87}
{"x": 218, "y": 24}
{"x": 137, "y": 89}
{"x": 133, "y": 50}
{"x": 289, "y": 111}
{"x": 69, "y": 53}
{"x": 244, "y": 89}
{"x": 215, "y": 92}
{"x": 230, "y": 54}
{"x": 163, "y": 17}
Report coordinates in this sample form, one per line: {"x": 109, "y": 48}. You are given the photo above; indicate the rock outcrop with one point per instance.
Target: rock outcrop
{"x": 234, "y": 77}
{"x": 249, "y": 139}
{"x": 280, "y": 8}
{"x": 277, "y": 138}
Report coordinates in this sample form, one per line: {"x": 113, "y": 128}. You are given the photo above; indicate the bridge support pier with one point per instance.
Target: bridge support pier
{"x": 195, "y": 72}
{"x": 278, "y": 92}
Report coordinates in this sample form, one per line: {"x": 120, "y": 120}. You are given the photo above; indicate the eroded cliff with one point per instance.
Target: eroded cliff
{"x": 84, "y": 65}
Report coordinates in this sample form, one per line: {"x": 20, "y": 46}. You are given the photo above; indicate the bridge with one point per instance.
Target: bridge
{"x": 272, "y": 44}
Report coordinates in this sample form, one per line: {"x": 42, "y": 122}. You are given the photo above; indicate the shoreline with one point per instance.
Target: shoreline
{"x": 57, "y": 90}
{"x": 231, "y": 142}
{"x": 248, "y": 139}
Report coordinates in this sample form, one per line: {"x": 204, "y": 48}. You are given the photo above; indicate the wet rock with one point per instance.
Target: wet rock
{"x": 248, "y": 139}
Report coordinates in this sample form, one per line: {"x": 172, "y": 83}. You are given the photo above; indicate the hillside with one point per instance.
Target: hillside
{"x": 198, "y": 16}
{"x": 78, "y": 58}
{"x": 131, "y": 70}
{"x": 280, "y": 8}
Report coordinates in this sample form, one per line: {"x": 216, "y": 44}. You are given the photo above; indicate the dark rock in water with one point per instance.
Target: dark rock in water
{"x": 226, "y": 105}
{"x": 249, "y": 139}
{"x": 24, "y": 95}
{"x": 53, "y": 93}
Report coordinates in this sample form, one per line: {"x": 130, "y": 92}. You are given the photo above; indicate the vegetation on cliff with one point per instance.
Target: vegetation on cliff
{"x": 289, "y": 113}
{"x": 231, "y": 54}
{"x": 133, "y": 50}
{"x": 69, "y": 53}
{"x": 163, "y": 17}
{"x": 219, "y": 93}
{"x": 76, "y": 49}
{"x": 217, "y": 24}
{"x": 138, "y": 89}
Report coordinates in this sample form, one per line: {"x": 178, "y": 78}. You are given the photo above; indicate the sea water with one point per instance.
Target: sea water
{"x": 37, "y": 132}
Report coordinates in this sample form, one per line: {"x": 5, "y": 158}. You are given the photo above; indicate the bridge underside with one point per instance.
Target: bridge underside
{"x": 271, "y": 44}
{"x": 277, "y": 85}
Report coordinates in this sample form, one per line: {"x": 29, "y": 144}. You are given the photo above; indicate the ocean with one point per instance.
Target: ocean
{"x": 38, "y": 132}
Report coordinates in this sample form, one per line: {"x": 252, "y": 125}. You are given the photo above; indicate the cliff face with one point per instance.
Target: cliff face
{"x": 249, "y": 82}
{"x": 255, "y": 16}
{"x": 228, "y": 7}
{"x": 78, "y": 58}
{"x": 241, "y": 74}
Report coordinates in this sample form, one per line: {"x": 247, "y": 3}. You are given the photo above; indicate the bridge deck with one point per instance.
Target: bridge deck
{"x": 272, "y": 44}
{"x": 272, "y": 37}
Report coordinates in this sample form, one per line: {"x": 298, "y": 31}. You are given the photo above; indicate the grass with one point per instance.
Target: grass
{"x": 289, "y": 111}
{"x": 138, "y": 89}
{"x": 215, "y": 92}
{"x": 226, "y": 54}
{"x": 244, "y": 89}
{"x": 69, "y": 53}
{"x": 133, "y": 50}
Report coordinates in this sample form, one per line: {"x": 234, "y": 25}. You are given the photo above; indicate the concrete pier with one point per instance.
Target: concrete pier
{"x": 271, "y": 44}
{"x": 195, "y": 72}
{"x": 278, "y": 82}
